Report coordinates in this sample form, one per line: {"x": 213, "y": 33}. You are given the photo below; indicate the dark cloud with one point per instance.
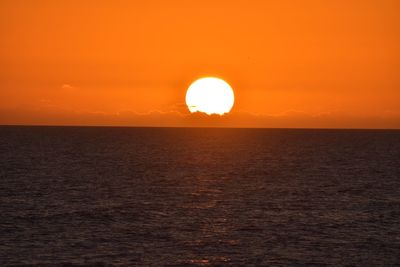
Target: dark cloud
{"x": 290, "y": 119}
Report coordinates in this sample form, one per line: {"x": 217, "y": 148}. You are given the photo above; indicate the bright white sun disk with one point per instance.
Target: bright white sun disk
{"x": 210, "y": 95}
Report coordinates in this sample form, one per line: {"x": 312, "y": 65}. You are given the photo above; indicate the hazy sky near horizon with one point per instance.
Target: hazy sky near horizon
{"x": 305, "y": 63}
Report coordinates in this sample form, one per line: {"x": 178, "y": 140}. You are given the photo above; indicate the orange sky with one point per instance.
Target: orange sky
{"x": 304, "y": 63}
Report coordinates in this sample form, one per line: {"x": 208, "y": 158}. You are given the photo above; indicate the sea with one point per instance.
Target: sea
{"x": 104, "y": 196}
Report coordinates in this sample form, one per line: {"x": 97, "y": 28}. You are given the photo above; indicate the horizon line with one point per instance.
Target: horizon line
{"x": 197, "y": 127}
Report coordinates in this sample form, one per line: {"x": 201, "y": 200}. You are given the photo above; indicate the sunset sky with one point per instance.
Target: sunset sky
{"x": 305, "y": 63}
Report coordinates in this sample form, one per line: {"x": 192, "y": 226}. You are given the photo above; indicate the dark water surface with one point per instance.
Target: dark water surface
{"x": 73, "y": 196}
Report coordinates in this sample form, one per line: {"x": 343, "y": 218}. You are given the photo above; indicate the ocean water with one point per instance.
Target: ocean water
{"x": 82, "y": 196}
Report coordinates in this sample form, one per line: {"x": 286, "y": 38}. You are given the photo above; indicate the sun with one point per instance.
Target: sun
{"x": 210, "y": 95}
